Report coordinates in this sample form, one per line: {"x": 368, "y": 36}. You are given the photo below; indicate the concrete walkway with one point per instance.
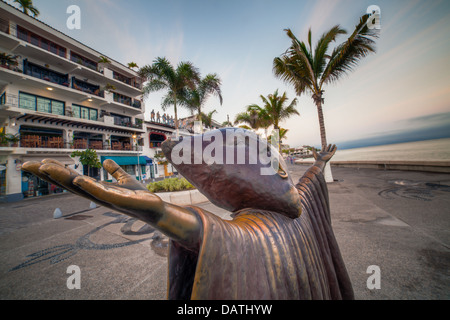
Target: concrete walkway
{"x": 395, "y": 220}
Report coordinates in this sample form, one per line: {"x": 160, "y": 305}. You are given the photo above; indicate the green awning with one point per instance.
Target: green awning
{"x": 126, "y": 160}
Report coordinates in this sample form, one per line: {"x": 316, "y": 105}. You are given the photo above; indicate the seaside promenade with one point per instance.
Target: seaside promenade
{"x": 397, "y": 221}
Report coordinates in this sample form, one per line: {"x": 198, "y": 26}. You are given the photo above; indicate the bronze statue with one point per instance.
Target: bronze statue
{"x": 279, "y": 244}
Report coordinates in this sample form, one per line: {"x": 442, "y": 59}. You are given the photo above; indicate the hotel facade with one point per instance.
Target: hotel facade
{"x": 58, "y": 95}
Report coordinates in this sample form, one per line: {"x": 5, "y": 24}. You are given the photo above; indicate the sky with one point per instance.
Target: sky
{"x": 404, "y": 87}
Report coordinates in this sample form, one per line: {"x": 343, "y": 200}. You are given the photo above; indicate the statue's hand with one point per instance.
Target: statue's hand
{"x": 325, "y": 155}
{"x": 56, "y": 173}
{"x": 126, "y": 195}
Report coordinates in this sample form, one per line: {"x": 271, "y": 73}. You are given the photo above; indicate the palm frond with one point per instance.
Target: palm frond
{"x": 28, "y": 5}
{"x": 301, "y": 54}
{"x": 187, "y": 74}
{"x": 153, "y": 86}
{"x": 211, "y": 84}
{"x": 284, "y": 67}
{"x": 295, "y": 66}
{"x": 347, "y": 55}
{"x": 320, "y": 57}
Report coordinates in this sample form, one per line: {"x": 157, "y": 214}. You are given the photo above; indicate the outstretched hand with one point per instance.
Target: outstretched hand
{"x": 108, "y": 194}
{"x": 126, "y": 195}
{"x": 325, "y": 155}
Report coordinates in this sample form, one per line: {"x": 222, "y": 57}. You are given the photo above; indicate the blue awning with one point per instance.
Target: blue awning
{"x": 126, "y": 160}
{"x": 149, "y": 160}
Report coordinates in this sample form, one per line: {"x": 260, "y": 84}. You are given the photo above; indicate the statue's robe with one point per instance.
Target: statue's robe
{"x": 264, "y": 255}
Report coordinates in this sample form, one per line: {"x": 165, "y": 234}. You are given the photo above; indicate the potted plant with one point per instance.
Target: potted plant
{"x": 109, "y": 87}
{"x": 161, "y": 159}
{"x": 3, "y": 139}
{"x": 104, "y": 60}
{"x": 8, "y": 60}
{"x": 13, "y": 139}
{"x": 132, "y": 65}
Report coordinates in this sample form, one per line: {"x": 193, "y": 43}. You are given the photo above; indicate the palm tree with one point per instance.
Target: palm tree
{"x": 161, "y": 75}
{"x": 309, "y": 70}
{"x": 253, "y": 119}
{"x": 207, "y": 118}
{"x": 27, "y": 5}
{"x": 196, "y": 98}
{"x": 275, "y": 109}
{"x": 282, "y": 135}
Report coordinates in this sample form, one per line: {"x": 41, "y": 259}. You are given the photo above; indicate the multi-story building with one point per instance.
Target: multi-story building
{"x": 58, "y": 95}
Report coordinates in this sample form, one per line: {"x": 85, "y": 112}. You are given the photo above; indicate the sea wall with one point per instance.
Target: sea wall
{"x": 425, "y": 166}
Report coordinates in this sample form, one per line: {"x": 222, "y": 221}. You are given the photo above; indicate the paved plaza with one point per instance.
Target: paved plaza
{"x": 397, "y": 221}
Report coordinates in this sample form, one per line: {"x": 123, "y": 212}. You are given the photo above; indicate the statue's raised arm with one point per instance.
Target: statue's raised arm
{"x": 126, "y": 195}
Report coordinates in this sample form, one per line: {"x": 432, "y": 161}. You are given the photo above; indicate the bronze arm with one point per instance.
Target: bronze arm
{"x": 127, "y": 196}
{"x": 324, "y": 156}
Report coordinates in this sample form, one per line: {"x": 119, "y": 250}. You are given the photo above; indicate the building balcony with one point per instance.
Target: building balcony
{"x": 36, "y": 142}
{"x": 42, "y": 81}
{"x": 117, "y": 103}
{"x": 10, "y": 109}
{"x": 26, "y": 44}
{"x": 128, "y": 85}
{"x": 46, "y": 74}
{"x": 122, "y": 99}
{"x": 21, "y": 41}
{"x": 86, "y": 87}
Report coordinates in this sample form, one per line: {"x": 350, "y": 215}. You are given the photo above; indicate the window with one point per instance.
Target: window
{"x": 58, "y": 108}
{"x": 24, "y": 34}
{"x": 120, "y": 120}
{"x": 53, "y": 48}
{"x": 27, "y": 101}
{"x": 84, "y": 112}
{"x": 83, "y": 61}
{"x": 130, "y": 169}
{"x": 34, "y": 39}
{"x": 44, "y": 44}
{"x": 44, "y": 105}
{"x": 41, "y": 104}
{"x": 93, "y": 114}
{"x": 76, "y": 111}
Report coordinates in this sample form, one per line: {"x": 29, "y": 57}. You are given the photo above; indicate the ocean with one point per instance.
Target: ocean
{"x": 429, "y": 150}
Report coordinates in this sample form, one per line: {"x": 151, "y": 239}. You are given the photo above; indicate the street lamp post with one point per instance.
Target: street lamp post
{"x": 137, "y": 150}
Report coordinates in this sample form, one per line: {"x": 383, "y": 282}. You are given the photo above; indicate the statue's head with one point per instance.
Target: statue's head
{"x": 235, "y": 169}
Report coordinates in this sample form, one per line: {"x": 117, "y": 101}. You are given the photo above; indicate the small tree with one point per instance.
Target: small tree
{"x": 88, "y": 158}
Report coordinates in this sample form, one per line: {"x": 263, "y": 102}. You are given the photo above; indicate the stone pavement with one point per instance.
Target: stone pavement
{"x": 398, "y": 221}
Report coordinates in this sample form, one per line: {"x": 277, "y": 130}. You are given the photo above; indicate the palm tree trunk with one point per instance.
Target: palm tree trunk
{"x": 276, "y": 127}
{"x": 176, "y": 115}
{"x": 200, "y": 118}
{"x": 327, "y": 170}
{"x": 323, "y": 135}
